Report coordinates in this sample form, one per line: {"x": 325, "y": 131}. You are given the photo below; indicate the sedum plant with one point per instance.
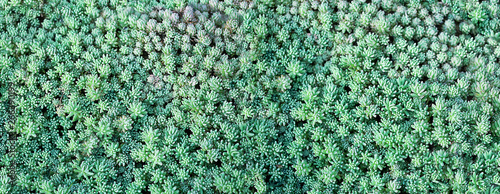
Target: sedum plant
{"x": 254, "y": 96}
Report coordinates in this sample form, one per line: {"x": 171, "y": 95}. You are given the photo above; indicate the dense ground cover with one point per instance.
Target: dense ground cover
{"x": 265, "y": 96}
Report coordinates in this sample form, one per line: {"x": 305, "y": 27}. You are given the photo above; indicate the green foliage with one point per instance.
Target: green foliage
{"x": 255, "y": 96}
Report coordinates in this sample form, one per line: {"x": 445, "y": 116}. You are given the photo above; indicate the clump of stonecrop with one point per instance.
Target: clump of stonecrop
{"x": 258, "y": 96}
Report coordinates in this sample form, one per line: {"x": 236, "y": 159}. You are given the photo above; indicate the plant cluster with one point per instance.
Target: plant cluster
{"x": 249, "y": 96}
